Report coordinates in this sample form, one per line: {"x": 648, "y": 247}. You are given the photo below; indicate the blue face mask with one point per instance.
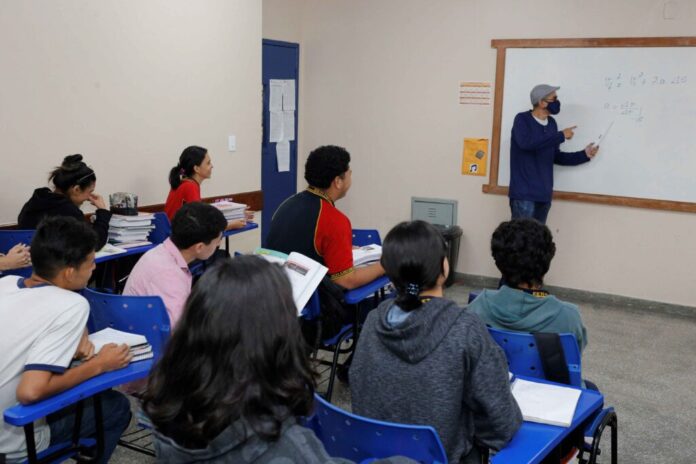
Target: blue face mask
{"x": 554, "y": 107}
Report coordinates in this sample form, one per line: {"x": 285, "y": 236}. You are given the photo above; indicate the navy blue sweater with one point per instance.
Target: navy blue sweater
{"x": 533, "y": 151}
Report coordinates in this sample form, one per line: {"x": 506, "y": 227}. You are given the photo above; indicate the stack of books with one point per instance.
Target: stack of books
{"x": 130, "y": 231}
{"x": 139, "y": 347}
{"x": 232, "y": 211}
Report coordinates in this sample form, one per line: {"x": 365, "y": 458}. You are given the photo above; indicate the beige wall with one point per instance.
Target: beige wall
{"x": 380, "y": 77}
{"x": 129, "y": 84}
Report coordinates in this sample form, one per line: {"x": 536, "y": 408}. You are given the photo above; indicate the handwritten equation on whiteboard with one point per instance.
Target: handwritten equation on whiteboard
{"x": 631, "y": 108}
{"x": 642, "y": 79}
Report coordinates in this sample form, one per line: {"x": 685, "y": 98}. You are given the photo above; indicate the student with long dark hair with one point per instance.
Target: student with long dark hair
{"x": 421, "y": 359}
{"x": 74, "y": 184}
{"x": 185, "y": 180}
{"x": 234, "y": 375}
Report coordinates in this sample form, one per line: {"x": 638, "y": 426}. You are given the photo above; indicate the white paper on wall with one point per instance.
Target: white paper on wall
{"x": 275, "y": 100}
{"x": 288, "y": 125}
{"x": 289, "y": 95}
{"x": 283, "y": 156}
{"x": 275, "y": 133}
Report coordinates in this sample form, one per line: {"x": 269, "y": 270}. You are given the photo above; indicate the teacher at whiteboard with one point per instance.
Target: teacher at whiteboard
{"x": 534, "y": 149}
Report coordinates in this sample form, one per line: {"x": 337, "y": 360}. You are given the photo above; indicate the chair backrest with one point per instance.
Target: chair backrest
{"x": 10, "y": 238}
{"x": 144, "y": 315}
{"x": 362, "y": 237}
{"x": 162, "y": 230}
{"x": 523, "y": 357}
{"x": 473, "y": 296}
{"x": 357, "y": 438}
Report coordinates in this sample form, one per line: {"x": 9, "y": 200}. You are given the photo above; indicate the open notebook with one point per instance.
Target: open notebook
{"x": 545, "y": 403}
{"x": 366, "y": 254}
{"x": 304, "y": 273}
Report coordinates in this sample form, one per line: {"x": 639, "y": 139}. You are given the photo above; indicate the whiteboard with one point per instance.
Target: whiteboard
{"x": 649, "y": 93}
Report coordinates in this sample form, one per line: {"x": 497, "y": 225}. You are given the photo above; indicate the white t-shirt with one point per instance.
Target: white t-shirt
{"x": 40, "y": 328}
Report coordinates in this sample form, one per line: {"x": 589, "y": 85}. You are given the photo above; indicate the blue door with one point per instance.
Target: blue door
{"x": 280, "y": 61}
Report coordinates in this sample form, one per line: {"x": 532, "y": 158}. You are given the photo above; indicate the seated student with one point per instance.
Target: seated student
{"x": 234, "y": 377}
{"x": 523, "y": 250}
{"x": 309, "y": 223}
{"x": 74, "y": 184}
{"x": 185, "y": 180}
{"x": 421, "y": 359}
{"x": 42, "y": 329}
{"x": 163, "y": 271}
{"x": 17, "y": 257}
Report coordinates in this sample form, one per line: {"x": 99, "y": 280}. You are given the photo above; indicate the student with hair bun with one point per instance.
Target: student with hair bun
{"x": 186, "y": 178}
{"x": 421, "y": 359}
{"x": 74, "y": 183}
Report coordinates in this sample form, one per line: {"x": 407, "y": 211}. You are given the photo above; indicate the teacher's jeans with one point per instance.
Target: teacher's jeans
{"x": 538, "y": 210}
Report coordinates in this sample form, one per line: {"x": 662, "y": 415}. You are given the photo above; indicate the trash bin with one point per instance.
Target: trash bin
{"x": 452, "y": 236}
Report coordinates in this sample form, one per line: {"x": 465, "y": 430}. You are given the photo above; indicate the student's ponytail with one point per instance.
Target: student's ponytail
{"x": 407, "y": 298}
{"x": 190, "y": 158}
{"x": 413, "y": 256}
{"x": 175, "y": 177}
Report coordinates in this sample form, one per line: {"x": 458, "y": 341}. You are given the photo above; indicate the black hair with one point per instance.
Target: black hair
{"x": 237, "y": 353}
{"x": 72, "y": 172}
{"x": 61, "y": 242}
{"x": 523, "y": 250}
{"x": 197, "y": 222}
{"x": 324, "y": 164}
{"x": 190, "y": 158}
{"x": 413, "y": 257}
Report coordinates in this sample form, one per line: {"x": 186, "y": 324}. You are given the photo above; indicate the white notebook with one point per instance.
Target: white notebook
{"x": 545, "y": 403}
{"x": 109, "y": 335}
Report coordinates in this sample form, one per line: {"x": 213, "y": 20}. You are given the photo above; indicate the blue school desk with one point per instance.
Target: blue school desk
{"x": 356, "y": 295}
{"x": 534, "y": 441}
{"x": 227, "y": 233}
{"x": 23, "y": 414}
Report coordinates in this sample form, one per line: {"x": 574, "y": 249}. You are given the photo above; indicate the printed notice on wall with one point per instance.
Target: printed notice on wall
{"x": 475, "y": 93}
{"x": 283, "y": 156}
{"x": 474, "y": 157}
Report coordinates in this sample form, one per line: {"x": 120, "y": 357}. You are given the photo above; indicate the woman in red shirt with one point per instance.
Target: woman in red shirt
{"x": 185, "y": 179}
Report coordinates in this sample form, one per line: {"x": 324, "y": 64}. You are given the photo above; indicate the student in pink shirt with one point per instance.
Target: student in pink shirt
{"x": 163, "y": 271}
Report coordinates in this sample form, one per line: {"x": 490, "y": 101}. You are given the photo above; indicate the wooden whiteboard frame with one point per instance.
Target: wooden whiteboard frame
{"x": 503, "y": 45}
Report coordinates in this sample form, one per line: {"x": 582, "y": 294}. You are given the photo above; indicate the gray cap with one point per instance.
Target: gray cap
{"x": 540, "y": 91}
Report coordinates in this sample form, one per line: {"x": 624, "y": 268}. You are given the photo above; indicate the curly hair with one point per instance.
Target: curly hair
{"x": 523, "y": 250}
{"x": 324, "y": 164}
{"x": 237, "y": 353}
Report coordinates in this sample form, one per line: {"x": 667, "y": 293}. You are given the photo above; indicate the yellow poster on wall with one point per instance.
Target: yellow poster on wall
{"x": 474, "y": 157}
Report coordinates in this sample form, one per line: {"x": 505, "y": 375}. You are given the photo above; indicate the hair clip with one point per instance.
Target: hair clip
{"x": 413, "y": 289}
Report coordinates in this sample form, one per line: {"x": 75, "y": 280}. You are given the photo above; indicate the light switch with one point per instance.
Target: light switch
{"x": 232, "y": 143}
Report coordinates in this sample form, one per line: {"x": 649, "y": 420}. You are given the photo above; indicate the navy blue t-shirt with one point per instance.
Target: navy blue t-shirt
{"x": 534, "y": 149}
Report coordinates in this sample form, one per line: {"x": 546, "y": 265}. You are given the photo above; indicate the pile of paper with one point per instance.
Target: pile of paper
{"x": 545, "y": 403}
{"x": 366, "y": 254}
{"x": 130, "y": 231}
{"x": 232, "y": 211}
{"x": 139, "y": 347}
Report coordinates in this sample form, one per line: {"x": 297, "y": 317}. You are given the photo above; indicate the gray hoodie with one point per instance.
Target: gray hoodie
{"x": 438, "y": 367}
